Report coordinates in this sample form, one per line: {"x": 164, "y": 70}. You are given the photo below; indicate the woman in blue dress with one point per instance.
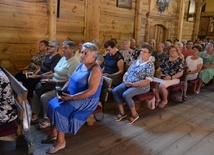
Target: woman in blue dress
{"x": 69, "y": 113}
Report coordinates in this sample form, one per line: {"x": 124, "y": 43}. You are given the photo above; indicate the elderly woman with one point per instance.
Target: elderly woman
{"x": 207, "y": 72}
{"x": 69, "y": 113}
{"x": 113, "y": 64}
{"x": 194, "y": 63}
{"x": 127, "y": 52}
{"x": 7, "y": 101}
{"x": 172, "y": 69}
{"x": 135, "y": 81}
{"x": 63, "y": 70}
{"x": 160, "y": 55}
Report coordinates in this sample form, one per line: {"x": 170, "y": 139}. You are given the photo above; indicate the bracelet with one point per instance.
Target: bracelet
{"x": 72, "y": 97}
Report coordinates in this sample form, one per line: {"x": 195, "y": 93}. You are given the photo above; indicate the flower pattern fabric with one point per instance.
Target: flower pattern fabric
{"x": 170, "y": 68}
{"x": 7, "y": 101}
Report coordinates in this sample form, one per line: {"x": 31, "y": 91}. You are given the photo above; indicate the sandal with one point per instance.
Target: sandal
{"x": 120, "y": 117}
{"x": 132, "y": 119}
{"x": 35, "y": 119}
{"x": 162, "y": 104}
{"x": 44, "y": 125}
{"x": 184, "y": 98}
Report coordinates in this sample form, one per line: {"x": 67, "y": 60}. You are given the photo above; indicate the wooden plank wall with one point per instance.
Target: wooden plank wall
{"x": 116, "y": 22}
{"x": 71, "y": 21}
{"x": 188, "y": 27}
{"x": 23, "y": 24}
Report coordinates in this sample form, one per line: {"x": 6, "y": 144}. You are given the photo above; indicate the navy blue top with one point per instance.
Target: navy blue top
{"x": 110, "y": 62}
{"x": 49, "y": 64}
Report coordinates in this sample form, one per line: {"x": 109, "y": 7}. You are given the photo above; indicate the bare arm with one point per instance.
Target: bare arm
{"x": 93, "y": 85}
{"x": 197, "y": 70}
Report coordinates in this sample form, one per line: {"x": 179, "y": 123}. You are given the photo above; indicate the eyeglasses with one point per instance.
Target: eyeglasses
{"x": 144, "y": 51}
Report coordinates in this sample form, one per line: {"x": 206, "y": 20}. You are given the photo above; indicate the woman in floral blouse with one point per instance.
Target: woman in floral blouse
{"x": 7, "y": 102}
{"x": 135, "y": 81}
{"x": 172, "y": 69}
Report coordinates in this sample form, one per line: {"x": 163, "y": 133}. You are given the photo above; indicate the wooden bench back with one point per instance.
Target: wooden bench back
{"x": 154, "y": 85}
{"x": 107, "y": 84}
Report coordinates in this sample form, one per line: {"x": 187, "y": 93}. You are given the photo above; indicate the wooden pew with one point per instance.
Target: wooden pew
{"x": 98, "y": 115}
{"x": 15, "y": 128}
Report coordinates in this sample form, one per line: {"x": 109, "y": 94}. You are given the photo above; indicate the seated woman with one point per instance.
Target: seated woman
{"x": 7, "y": 101}
{"x": 127, "y": 52}
{"x": 135, "y": 81}
{"x": 63, "y": 70}
{"x": 113, "y": 64}
{"x": 35, "y": 62}
{"x": 207, "y": 72}
{"x": 172, "y": 69}
{"x": 69, "y": 113}
{"x": 194, "y": 63}
{"x": 160, "y": 55}
{"x": 47, "y": 67}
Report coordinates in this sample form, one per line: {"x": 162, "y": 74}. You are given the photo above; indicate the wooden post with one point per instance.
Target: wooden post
{"x": 92, "y": 20}
{"x": 138, "y": 16}
{"x": 181, "y": 20}
{"x": 199, "y": 5}
{"x": 52, "y": 10}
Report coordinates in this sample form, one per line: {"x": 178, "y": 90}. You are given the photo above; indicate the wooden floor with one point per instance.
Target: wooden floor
{"x": 180, "y": 128}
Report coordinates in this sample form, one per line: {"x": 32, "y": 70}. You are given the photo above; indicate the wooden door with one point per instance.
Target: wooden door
{"x": 159, "y": 33}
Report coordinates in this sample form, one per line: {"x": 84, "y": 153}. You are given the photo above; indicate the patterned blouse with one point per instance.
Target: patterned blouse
{"x": 7, "y": 101}
{"x": 128, "y": 58}
{"x": 138, "y": 72}
{"x": 160, "y": 58}
{"x": 36, "y": 61}
{"x": 171, "y": 67}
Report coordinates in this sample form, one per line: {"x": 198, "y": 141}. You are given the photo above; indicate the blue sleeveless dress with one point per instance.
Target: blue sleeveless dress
{"x": 69, "y": 116}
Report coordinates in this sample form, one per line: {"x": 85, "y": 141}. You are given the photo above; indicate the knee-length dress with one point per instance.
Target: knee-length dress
{"x": 206, "y": 74}
{"x": 69, "y": 116}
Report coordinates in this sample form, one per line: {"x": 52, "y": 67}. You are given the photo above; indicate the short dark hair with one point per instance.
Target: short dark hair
{"x": 71, "y": 44}
{"x": 110, "y": 43}
{"x": 189, "y": 41}
{"x": 147, "y": 47}
{"x": 176, "y": 40}
{"x": 115, "y": 40}
{"x": 45, "y": 42}
{"x": 199, "y": 47}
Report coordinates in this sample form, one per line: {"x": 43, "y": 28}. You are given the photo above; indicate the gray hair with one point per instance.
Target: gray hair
{"x": 97, "y": 42}
{"x": 179, "y": 44}
{"x": 71, "y": 44}
{"x": 91, "y": 46}
{"x": 127, "y": 42}
{"x": 55, "y": 42}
